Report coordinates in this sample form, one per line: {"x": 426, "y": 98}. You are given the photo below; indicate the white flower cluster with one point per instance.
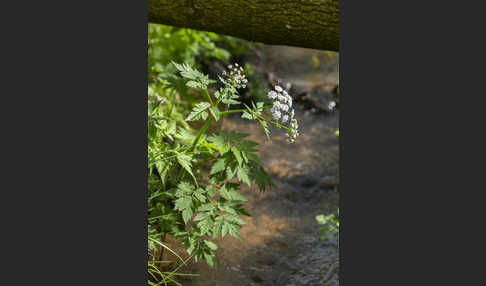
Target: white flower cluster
{"x": 236, "y": 77}
{"x": 293, "y": 131}
{"x": 331, "y": 105}
{"x": 283, "y": 112}
{"x": 282, "y": 104}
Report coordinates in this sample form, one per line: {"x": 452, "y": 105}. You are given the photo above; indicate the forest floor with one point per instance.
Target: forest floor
{"x": 280, "y": 242}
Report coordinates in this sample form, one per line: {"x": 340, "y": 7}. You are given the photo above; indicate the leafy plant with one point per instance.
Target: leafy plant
{"x": 329, "y": 228}
{"x": 194, "y": 178}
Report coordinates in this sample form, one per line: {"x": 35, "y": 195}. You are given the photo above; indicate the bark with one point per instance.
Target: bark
{"x": 303, "y": 23}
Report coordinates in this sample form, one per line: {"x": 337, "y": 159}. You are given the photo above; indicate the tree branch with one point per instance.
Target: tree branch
{"x": 303, "y": 23}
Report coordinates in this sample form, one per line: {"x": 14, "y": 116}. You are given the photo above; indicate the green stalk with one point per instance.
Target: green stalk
{"x": 194, "y": 143}
{"x": 232, "y": 111}
{"x": 257, "y": 115}
{"x": 206, "y": 93}
{"x": 172, "y": 102}
{"x": 201, "y": 132}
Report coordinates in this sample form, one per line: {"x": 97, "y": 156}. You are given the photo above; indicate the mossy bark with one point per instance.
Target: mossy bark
{"x": 303, "y": 23}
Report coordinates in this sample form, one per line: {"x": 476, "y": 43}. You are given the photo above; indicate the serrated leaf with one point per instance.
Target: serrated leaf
{"x": 228, "y": 209}
{"x": 194, "y": 84}
{"x": 229, "y": 101}
{"x": 265, "y": 128}
{"x": 162, "y": 168}
{"x": 201, "y": 216}
{"x": 233, "y": 231}
{"x": 218, "y": 166}
{"x": 208, "y": 259}
{"x": 218, "y": 225}
{"x": 242, "y": 174}
{"x": 215, "y": 112}
{"x": 247, "y": 115}
{"x": 211, "y": 191}
{"x": 236, "y": 196}
{"x": 199, "y": 194}
{"x": 237, "y": 154}
{"x": 199, "y": 111}
{"x": 183, "y": 203}
{"x": 184, "y": 188}
{"x": 223, "y": 192}
{"x": 205, "y": 225}
{"x": 187, "y": 214}
{"x": 190, "y": 249}
{"x": 261, "y": 178}
{"x": 230, "y": 173}
{"x": 211, "y": 244}
{"x": 206, "y": 207}
{"x": 220, "y": 143}
{"x": 178, "y": 66}
{"x": 224, "y": 229}
{"x": 185, "y": 161}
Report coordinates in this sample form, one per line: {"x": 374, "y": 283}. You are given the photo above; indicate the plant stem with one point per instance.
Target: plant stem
{"x": 200, "y": 133}
{"x": 259, "y": 116}
{"x": 206, "y": 93}
{"x": 172, "y": 102}
{"x": 232, "y": 111}
{"x": 194, "y": 143}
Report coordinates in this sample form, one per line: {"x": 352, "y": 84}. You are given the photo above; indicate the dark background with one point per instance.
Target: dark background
{"x": 73, "y": 119}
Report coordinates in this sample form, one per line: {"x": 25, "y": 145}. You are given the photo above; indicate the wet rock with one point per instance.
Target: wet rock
{"x": 273, "y": 243}
{"x": 257, "y": 278}
{"x": 308, "y": 182}
{"x": 268, "y": 259}
{"x": 291, "y": 196}
{"x": 328, "y": 183}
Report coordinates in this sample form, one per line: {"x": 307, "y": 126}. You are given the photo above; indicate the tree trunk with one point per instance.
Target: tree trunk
{"x": 303, "y": 23}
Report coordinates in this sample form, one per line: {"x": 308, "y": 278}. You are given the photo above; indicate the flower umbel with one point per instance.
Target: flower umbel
{"x": 283, "y": 112}
{"x": 236, "y": 77}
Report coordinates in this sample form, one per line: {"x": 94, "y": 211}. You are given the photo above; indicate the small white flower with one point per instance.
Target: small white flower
{"x": 282, "y": 110}
{"x": 331, "y": 105}
{"x": 236, "y": 76}
{"x": 272, "y": 94}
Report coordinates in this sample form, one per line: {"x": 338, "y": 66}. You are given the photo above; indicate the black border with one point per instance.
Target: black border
{"x": 74, "y": 205}
{"x": 74, "y": 181}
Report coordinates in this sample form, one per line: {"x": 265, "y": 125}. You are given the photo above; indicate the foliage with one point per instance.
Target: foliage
{"x": 166, "y": 44}
{"x": 153, "y": 266}
{"x": 194, "y": 178}
{"x": 329, "y": 228}
{"x": 194, "y": 175}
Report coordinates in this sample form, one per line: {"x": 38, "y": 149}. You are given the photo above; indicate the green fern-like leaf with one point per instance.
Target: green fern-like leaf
{"x": 199, "y": 111}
